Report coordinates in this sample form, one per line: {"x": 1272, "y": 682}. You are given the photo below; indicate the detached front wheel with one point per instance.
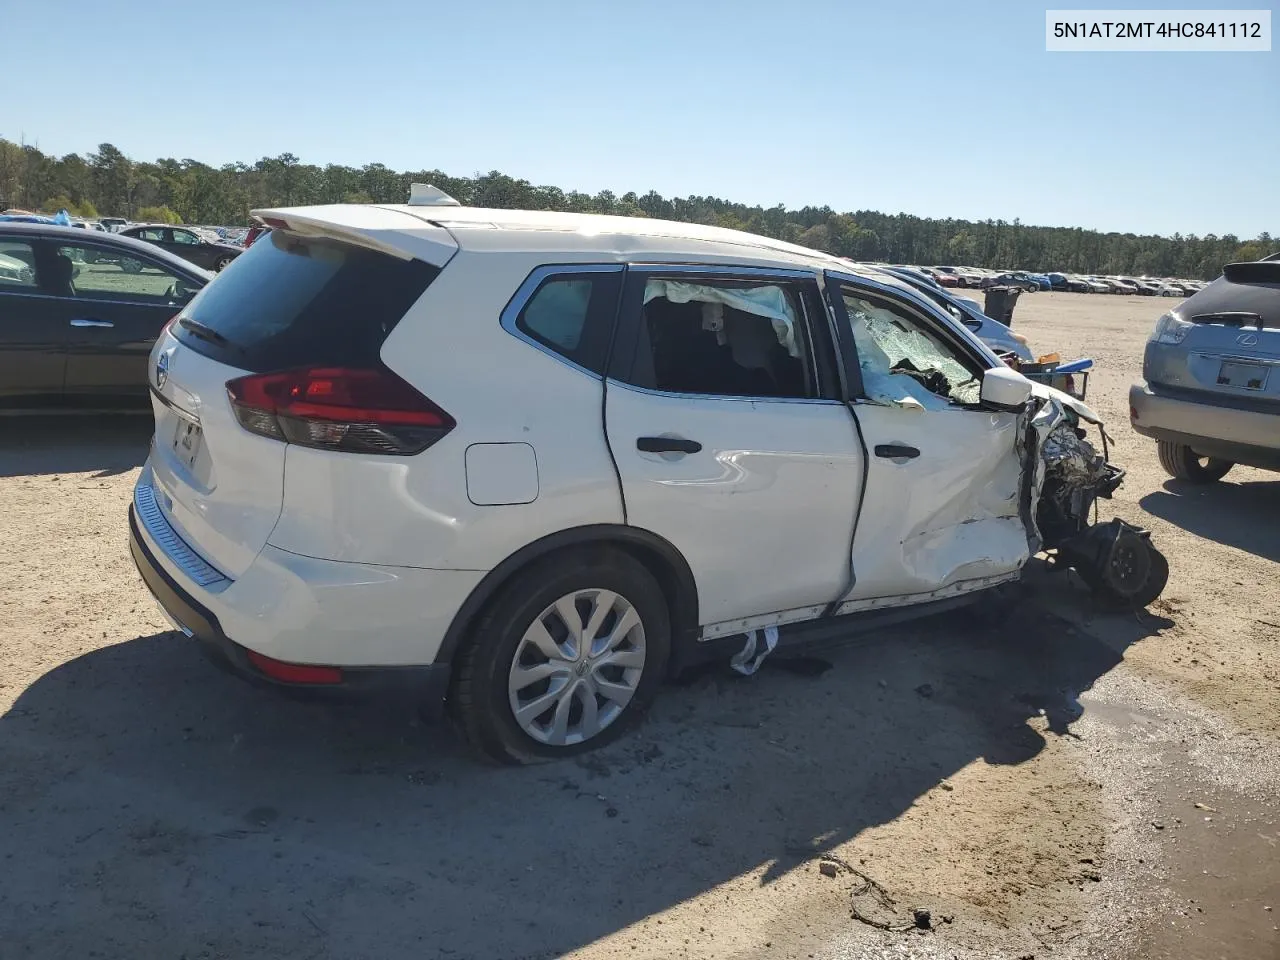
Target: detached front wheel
{"x": 566, "y": 658}
{"x": 1183, "y": 463}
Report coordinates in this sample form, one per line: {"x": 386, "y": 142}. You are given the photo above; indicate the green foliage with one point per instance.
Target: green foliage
{"x": 177, "y": 191}
{"x": 158, "y": 215}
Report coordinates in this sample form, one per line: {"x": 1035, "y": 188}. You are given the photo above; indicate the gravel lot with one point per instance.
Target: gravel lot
{"x": 1067, "y": 784}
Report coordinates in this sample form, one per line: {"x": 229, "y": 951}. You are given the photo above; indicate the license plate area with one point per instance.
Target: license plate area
{"x": 1242, "y": 374}
{"x": 187, "y": 440}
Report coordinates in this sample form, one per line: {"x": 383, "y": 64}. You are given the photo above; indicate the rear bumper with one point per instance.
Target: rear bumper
{"x": 426, "y": 685}
{"x": 1242, "y": 436}
{"x": 383, "y": 626}
{"x": 1153, "y": 414}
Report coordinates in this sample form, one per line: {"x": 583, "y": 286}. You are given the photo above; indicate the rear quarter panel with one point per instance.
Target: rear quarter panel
{"x": 415, "y": 511}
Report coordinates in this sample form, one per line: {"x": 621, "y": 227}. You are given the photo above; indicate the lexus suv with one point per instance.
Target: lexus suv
{"x": 1212, "y": 369}
{"x": 526, "y": 465}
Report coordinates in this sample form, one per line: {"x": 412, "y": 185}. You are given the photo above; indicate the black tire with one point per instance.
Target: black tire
{"x": 223, "y": 263}
{"x": 478, "y": 699}
{"x": 1183, "y": 463}
{"x": 1134, "y": 592}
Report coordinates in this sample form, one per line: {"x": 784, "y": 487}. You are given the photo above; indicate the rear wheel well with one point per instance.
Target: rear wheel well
{"x": 662, "y": 560}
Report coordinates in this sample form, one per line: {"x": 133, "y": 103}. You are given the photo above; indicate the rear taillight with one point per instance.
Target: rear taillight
{"x": 338, "y": 408}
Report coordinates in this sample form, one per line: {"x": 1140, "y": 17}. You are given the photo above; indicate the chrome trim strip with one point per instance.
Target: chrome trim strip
{"x": 176, "y": 410}
{"x": 166, "y": 538}
{"x": 719, "y": 396}
{"x": 511, "y": 312}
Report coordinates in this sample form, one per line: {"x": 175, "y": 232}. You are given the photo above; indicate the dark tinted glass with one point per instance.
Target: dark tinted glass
{"x": 573, "y": 314}
{"x": 289, "y": 302}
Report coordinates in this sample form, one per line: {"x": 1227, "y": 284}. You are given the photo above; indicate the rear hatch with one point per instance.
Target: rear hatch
{"x": 289, "y": 303}
{"x": 1231, "y": 347}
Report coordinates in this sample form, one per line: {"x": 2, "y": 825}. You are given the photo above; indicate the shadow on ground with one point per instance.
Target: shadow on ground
{"x": 155, "y": 806}
{"x": 1242, "y": 515}
{"x": 104, "y": 445}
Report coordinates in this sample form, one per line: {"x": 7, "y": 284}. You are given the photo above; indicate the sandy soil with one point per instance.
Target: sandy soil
{"x": 1067, "y": 784}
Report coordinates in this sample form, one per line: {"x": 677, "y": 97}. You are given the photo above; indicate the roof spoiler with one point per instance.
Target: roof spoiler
{"x": 1259, "y": 271}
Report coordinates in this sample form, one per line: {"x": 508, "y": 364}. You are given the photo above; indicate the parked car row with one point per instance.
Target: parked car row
{"x": 981, "y": 278}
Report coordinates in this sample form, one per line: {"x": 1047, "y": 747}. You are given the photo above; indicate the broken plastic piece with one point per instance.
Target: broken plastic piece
{"x": 748, "y": 660}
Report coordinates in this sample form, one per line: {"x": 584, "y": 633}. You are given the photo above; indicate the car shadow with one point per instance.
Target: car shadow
{"x": 105, "y": 445}
{"x": 149, "y": 798}
{"x": 1241, "y": 515}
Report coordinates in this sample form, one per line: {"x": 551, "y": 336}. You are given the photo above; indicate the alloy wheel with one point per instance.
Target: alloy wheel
{"x": 576, "y": 667}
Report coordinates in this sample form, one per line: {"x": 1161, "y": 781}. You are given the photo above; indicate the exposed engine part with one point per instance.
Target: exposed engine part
{"x": 1075, "y": 476}
{"x": 1116, "y": 559}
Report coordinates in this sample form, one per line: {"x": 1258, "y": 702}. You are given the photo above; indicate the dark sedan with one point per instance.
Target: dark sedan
{"x": 187, "y": 244}
{"x": 79, "y": 313}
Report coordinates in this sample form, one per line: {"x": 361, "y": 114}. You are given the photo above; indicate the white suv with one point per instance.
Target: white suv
{"x": 531, "y": 463}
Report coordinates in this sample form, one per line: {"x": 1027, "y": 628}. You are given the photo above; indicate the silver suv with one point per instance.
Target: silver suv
{"x": 1212, "y": 366}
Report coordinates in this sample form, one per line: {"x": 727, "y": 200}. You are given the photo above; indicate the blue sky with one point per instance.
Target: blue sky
{"x": 932, "y": 108}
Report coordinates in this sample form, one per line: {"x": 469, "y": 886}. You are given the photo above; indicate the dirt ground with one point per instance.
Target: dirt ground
{"x": 1065, "y": 784}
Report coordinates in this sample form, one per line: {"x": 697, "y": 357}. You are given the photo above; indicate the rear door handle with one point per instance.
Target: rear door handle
{"x": 896, "y": 451}
{"x": 667, "y": 445}
{"x": 90, "y": 322}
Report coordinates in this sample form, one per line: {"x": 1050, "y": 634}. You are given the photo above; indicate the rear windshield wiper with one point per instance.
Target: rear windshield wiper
{"x": 205, "y": 332}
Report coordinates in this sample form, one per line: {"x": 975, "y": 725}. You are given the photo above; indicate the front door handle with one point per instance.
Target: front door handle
{"x": 667, "y": 445}
{"x": 90, "y": 322}
{"x": 896, "y": 451}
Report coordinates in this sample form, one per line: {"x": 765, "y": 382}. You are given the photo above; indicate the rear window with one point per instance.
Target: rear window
{"x": 289, "y": 301}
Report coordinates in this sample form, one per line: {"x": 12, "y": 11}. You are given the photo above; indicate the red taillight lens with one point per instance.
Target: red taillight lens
{"x": 293, "y": 672}
{"x": 339, "y": 408}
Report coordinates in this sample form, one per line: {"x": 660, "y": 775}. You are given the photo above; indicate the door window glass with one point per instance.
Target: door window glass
{"x": 185, "y": 236}
{"x": 153, "y": 234}
{"x": 94, "y": 273}
{"x": 906, "y": 363}
{"x": 723, "y": 338}
{"x": 17, "y": 265}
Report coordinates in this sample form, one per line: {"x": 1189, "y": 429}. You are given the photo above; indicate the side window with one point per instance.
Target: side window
{"x": 185, "y": 236}
{"x": 571, "y": 313}
{"x": 17, "y": 266}
{"x": 726, "y": 338}
{"x": 904, "y": 361}
{"x": 94, "y": 273}
{"x": 152, "y": 234}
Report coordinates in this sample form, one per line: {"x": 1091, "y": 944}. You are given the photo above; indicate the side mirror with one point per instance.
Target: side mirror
{"x": 1004, "y": 389}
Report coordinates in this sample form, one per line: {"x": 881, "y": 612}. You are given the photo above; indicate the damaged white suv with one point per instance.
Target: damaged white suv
{"x": 530, "y": 464}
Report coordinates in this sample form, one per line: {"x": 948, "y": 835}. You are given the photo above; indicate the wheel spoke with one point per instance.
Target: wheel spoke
{"x": 560, "y": 722}
{"x": 522, "y": 677}
{"x": 567, "y": 608}
{"x": 538, "y": 635}
{"x": 627, "y": 622}
{"x": 536, "y": 707}
{"x": 619, "y": 693}
{"x": 590, "y": 722}
{"x": 604, "y": 602}
{"x": 626, "y": 659}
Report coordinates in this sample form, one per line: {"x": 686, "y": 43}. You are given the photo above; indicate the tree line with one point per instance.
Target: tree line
{"x": 107, "y": 183}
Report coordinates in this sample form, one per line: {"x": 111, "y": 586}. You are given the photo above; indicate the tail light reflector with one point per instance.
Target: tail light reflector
{"x": 293, "y": 672}
{"x": 339, "y": 408}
